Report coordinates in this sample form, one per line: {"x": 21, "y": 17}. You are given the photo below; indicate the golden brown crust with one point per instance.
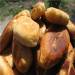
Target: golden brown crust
{"x": 53, "y": 50}
{"x": 26, "y": 31}
{"x": 22, "y": 57}
{"x": 7, "y": 34}
{"x": 52, "y": 47}
{"x": 9, "y": 59}
{"x": 38, "y": 10}
{"x": 56, "y": 16}
{"x": 5, "y": 69}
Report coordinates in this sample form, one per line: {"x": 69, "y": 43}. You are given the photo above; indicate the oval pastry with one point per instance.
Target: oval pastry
{"x": 7, "y": 34}
{"x": 52, "y": 47}
{"x": 56, "y": 16}
{"x": 26, "y": 31}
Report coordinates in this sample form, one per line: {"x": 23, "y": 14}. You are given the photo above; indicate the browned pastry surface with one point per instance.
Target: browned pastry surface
{"x": 52, "y": 47}
{"x": 22, "y": 57}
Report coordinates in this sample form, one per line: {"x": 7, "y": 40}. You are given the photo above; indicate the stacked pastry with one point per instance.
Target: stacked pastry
{"x": 39, "y": 39}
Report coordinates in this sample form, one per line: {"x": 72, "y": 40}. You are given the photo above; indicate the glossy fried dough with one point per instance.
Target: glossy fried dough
{"x": 22, "y": 57}
{"x": 38, "y": 42}
{"x": 7, "y": 34}
{"x": 9, "y": 59}
{"x": 5, "y": 69}
{"x": 56, "y": 16}
{"x": 52, "y": 47}
{"x": 26, "y": 31}
{"x": 38, "y": 10}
